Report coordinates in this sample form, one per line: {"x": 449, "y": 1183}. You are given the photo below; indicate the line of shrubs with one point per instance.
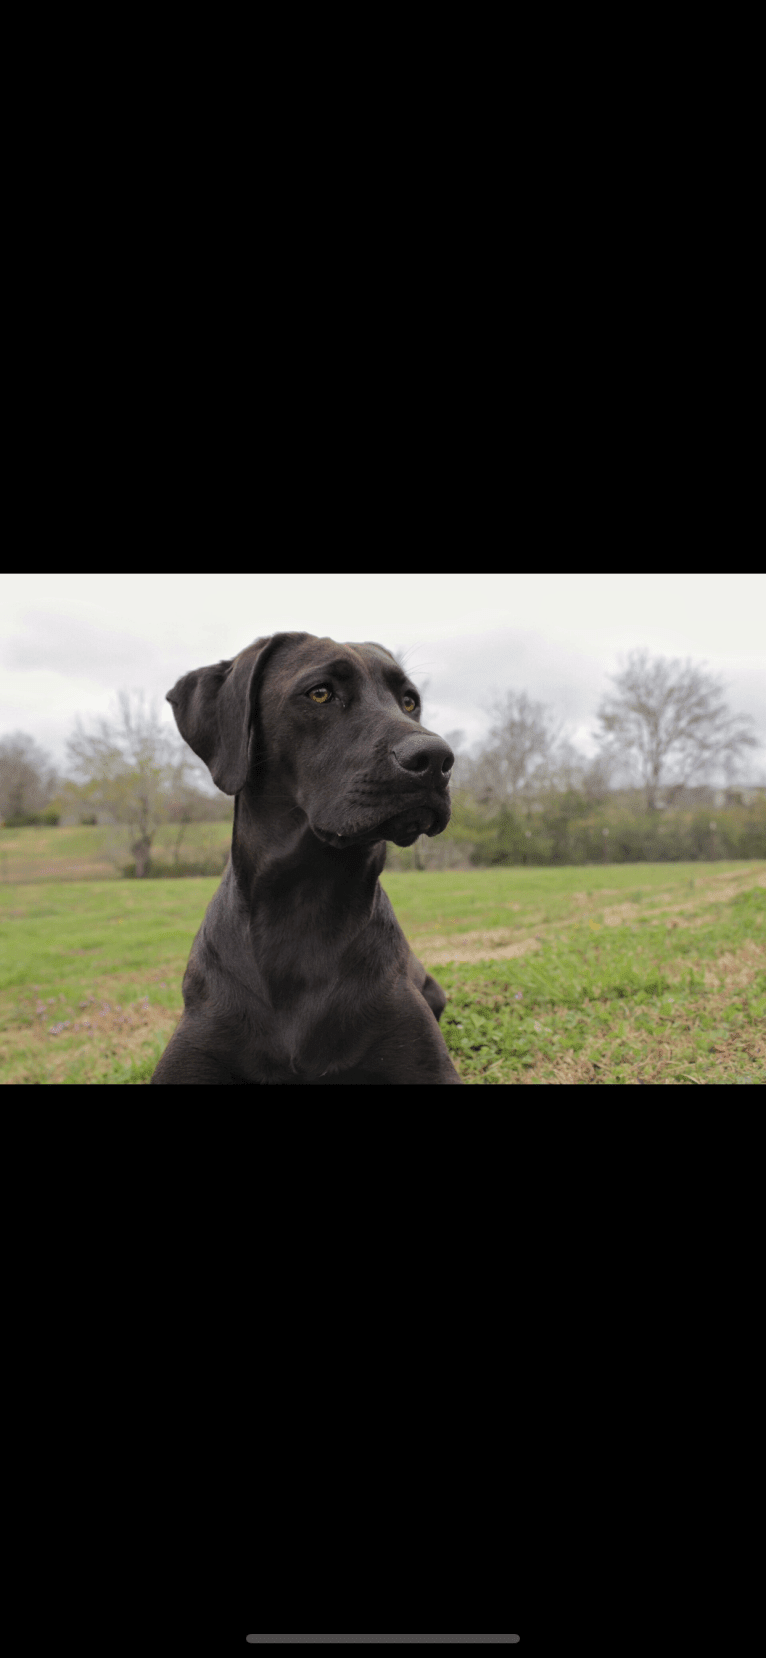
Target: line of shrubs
{"x": 647, "y": 838}
{"x": 544, "y": 838}
{"x": 42, "y": 820}
{"x": 541, "y": 839}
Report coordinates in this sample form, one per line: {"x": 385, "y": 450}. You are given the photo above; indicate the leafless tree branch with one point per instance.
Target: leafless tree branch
{"x": 672, "y": 718}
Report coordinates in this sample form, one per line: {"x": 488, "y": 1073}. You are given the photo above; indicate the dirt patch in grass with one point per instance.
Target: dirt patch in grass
{"x": 732, "y": 970}
{"x": 53, "y": 1041}
{"x": 473, "y": 947}
{"x": 679, "y": 1057}
{"x": 567, "y": 1068}
{"x": 503, "y": 944}
{"x": 76, "y": 869}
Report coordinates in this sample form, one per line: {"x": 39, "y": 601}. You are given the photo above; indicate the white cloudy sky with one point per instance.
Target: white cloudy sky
{"x": 68, "y": 643}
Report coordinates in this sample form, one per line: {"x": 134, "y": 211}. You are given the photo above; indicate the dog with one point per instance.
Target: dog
{"x": 300, "y": 972}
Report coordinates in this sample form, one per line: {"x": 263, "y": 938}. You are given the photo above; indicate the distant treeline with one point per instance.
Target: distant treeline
{"x": 567, "y": 829}
{"x": 571, "y": 831}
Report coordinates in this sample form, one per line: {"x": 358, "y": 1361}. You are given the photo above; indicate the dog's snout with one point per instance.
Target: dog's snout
{"x": 425, "y": 756}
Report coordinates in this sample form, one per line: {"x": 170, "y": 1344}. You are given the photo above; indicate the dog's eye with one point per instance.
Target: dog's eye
{"x": 320, "y": 693}
{"x": 410, "y": 703}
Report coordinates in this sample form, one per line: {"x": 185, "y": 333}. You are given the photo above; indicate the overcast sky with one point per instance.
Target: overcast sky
{"x": 68, "y": 643}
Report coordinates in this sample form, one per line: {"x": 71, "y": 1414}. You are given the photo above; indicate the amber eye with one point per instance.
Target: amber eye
{"x": 409, "y": 703}
{"x": 320, "y": 693}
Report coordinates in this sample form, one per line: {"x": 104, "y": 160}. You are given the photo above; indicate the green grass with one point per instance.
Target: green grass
{"x": 621, "y": 973}
{"x": 651, "y": 973}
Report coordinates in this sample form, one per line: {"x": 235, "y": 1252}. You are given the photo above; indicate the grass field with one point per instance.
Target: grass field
{"x": 623, "y": 973}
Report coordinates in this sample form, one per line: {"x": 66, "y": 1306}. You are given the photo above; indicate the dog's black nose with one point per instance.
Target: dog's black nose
{"x": 426, "y": 756}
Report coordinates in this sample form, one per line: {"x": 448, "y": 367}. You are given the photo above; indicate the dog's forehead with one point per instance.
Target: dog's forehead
{"x": 322, "y": 651}
{"x": 374, "y": 653}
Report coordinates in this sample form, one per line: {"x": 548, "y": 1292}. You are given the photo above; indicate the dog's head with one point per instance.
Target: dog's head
{"x": 334, "y": 729}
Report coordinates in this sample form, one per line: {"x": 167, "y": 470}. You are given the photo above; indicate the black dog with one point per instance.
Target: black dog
{"x": 300, "y": 972}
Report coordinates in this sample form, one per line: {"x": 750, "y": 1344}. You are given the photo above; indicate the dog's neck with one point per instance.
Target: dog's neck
{"x": 277, "y": 860}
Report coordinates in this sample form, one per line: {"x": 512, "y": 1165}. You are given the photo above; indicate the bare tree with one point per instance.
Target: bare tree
{"x": 27, "y": 778}
{"x": 671, "y": 717}
{"x": 516, "y": 759}
{"x": 597, "y": 776}
{"x": 561, "y": 771}
{"x": 126, "y": 767}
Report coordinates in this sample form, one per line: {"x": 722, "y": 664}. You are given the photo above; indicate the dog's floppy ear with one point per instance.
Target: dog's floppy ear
{"x": 213, "y": 710}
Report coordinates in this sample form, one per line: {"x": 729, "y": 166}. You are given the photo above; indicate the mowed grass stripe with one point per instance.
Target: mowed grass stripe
{"x": 626, "y": 973}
